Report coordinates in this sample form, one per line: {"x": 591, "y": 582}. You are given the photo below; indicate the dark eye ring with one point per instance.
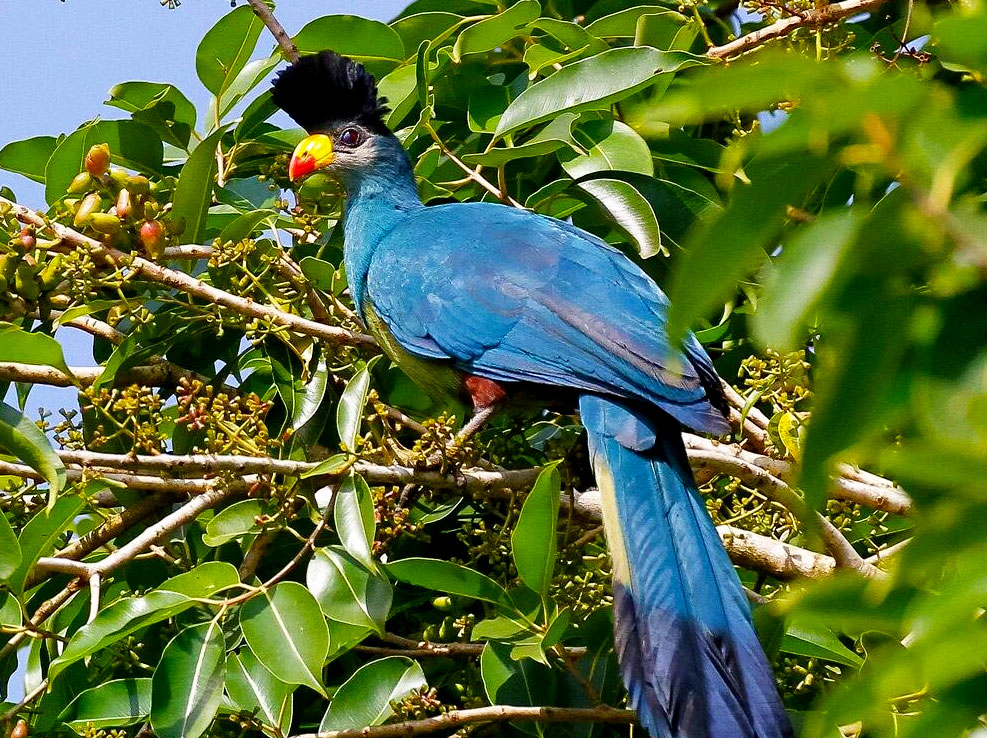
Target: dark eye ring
{"x": 351, "y": 137}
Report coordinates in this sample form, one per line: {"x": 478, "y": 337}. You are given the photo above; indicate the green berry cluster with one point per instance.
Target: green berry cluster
{"x": 223, "y": 423}
{"x": 127, "y": 418}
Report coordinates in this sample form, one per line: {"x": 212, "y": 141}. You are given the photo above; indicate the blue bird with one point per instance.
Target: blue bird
{"x": 477, "y": 302}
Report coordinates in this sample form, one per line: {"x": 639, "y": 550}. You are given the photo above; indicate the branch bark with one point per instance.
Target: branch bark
{"x": 153, "y": 272}
{"x": 453, "y": 719}
{"x": 288, "y": 48}
{"x": 814, "y": 18}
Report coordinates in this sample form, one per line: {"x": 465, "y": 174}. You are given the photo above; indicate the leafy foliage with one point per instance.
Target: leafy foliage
{"x": 833, "y": 262}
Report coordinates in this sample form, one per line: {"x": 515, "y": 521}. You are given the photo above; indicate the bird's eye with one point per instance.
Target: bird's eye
{"x": 351, "y": 137}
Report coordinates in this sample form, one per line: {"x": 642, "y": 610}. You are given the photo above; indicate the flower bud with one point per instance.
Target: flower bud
{"x": 24, "y": 282}
{"x": 90, "y": 204}
{"x": 28, "y": 241}
{"x": 98, "y": 159}
{"x": 123, "y": 204}
{"x": 83, "y": 182}
{"x": 104, "y": 222}
{"x": 153, "y": 238}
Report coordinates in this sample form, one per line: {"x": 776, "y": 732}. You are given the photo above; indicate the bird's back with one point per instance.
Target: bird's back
{"x": 519, "y": 297}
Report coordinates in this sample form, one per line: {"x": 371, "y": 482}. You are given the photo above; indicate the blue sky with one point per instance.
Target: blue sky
{"x": 61, "y": 58}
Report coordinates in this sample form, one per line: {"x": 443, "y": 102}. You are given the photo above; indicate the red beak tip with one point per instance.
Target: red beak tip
{"x": 300, "y": 166}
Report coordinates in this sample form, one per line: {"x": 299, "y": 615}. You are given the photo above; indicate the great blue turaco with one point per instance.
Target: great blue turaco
{"x": 477, "y": 301}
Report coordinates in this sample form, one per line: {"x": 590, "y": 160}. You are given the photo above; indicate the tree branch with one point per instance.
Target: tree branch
{"x": 147, "y": 538}
{"x": 493, "y": 714}
{"x": 782, "y": 560}
{"x": 124, "y": 521}
{"x": 153, "y": 272}
{"x": 161, "y": 374}
{"x": 814, "y": 18}
{"x": 288, "y": 48}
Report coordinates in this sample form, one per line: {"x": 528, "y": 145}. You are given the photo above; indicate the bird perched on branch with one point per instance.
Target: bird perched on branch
{"x": 476, "y": 301}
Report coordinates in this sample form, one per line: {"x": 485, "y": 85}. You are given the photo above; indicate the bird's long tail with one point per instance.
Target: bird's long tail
{"x": 688, "y": 652}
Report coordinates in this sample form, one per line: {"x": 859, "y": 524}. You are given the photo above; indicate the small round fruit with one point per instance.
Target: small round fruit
{"x": 28, "y": 241}
{"x": 98, "y": 159}
{"x": 20, "y": 730}
{"x": 442, "y": 603}
{"x": 139, "y": 185}
{"x": 83, "y": 182}
{"x": 123, "y": 203}
{"x": 104, "y": 223}
{"x": 89, "y": 205}
{"x": 24, "y": 282}
{"x": 153, "y": 238}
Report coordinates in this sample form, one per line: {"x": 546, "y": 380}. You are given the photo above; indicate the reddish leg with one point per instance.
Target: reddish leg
{"x": 486, "y": 396}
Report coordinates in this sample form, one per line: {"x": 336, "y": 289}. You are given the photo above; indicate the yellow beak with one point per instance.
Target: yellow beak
{"x": 314, "y": 152}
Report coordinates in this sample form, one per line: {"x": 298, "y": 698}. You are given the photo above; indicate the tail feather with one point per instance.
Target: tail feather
{"x": 688, "y": 652}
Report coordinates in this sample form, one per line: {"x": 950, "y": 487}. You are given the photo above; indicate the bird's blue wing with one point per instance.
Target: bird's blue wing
{"x": 520, "y": 298}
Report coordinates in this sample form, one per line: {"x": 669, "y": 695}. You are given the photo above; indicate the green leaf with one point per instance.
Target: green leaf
{"x": 10, "y": 550}
{"x": 22, "y": 438}
{"x": 413, "y": 29}
{"x": 10, "y": 610}
{"x": 132, "y": 144}
{"x": 203, "y": 580}
{"x": 856, "y": 377}
{"x": 252, "y": 687}
{"x": 556, "y": 135}
{"x": 400, "y": 89}
{"x": 37, "y": 538}
{"x": 226, "y": 48}
{"x": 803, "y": 638}
{"x": 193, "y": 194}
{"x": 630, "y": 210}
{"x": 234, "y": 521}
{"x": 365, "y": 699}
{"x": 246, "y": 80}
{"x": 245, "y": 225}
{"x": 592, "y": 84}
{"x": 808, "y": 265}
{"x": 160, "y": 106}
{"x": 285, "y": 629}
{"x": 255, "y": 115}
{"x": 28, "y": 157}
{"x": 128, "y": 615}
{"x": 187, "y": 685}
{"x": 609, "y": 145}
{"x": 343, "y": 637}
{"x": 333, "y": 465}
{"x": 495, "y": 31}
{"x": 444, "y": 576}
{"x": 353, "y": 515}
{"x": 533, "y": 542}
{"x": 723, "y": 249}
{"x": 349, "y": 413}
{"x": 372, "y": 43}
{"x": 623, "y": 23}
{"x": 321, "y": 273}
{"x": 39, "y": 349}
{"x": 510, "y": 682}
{"x": 112, "y": 704}
{"x": 346, "y": 591}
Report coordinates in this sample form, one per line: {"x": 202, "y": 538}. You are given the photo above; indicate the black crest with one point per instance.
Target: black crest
{"x": 323, "y": 89}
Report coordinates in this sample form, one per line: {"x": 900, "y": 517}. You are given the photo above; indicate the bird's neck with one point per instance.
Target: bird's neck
{"x": 376, "y": 201}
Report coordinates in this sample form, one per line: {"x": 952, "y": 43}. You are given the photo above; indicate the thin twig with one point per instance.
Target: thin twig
{"x": 493, "y": 714}
{"x": 815, "y": 18}
{"x": 288, "y": 48}
{"x": 154, "y": 272}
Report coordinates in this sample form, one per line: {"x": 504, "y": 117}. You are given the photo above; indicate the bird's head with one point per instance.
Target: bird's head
{"x": 335, "y": 99}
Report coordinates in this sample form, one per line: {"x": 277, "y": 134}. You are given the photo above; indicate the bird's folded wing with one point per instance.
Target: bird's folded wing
{"x": 516, "y": 297}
